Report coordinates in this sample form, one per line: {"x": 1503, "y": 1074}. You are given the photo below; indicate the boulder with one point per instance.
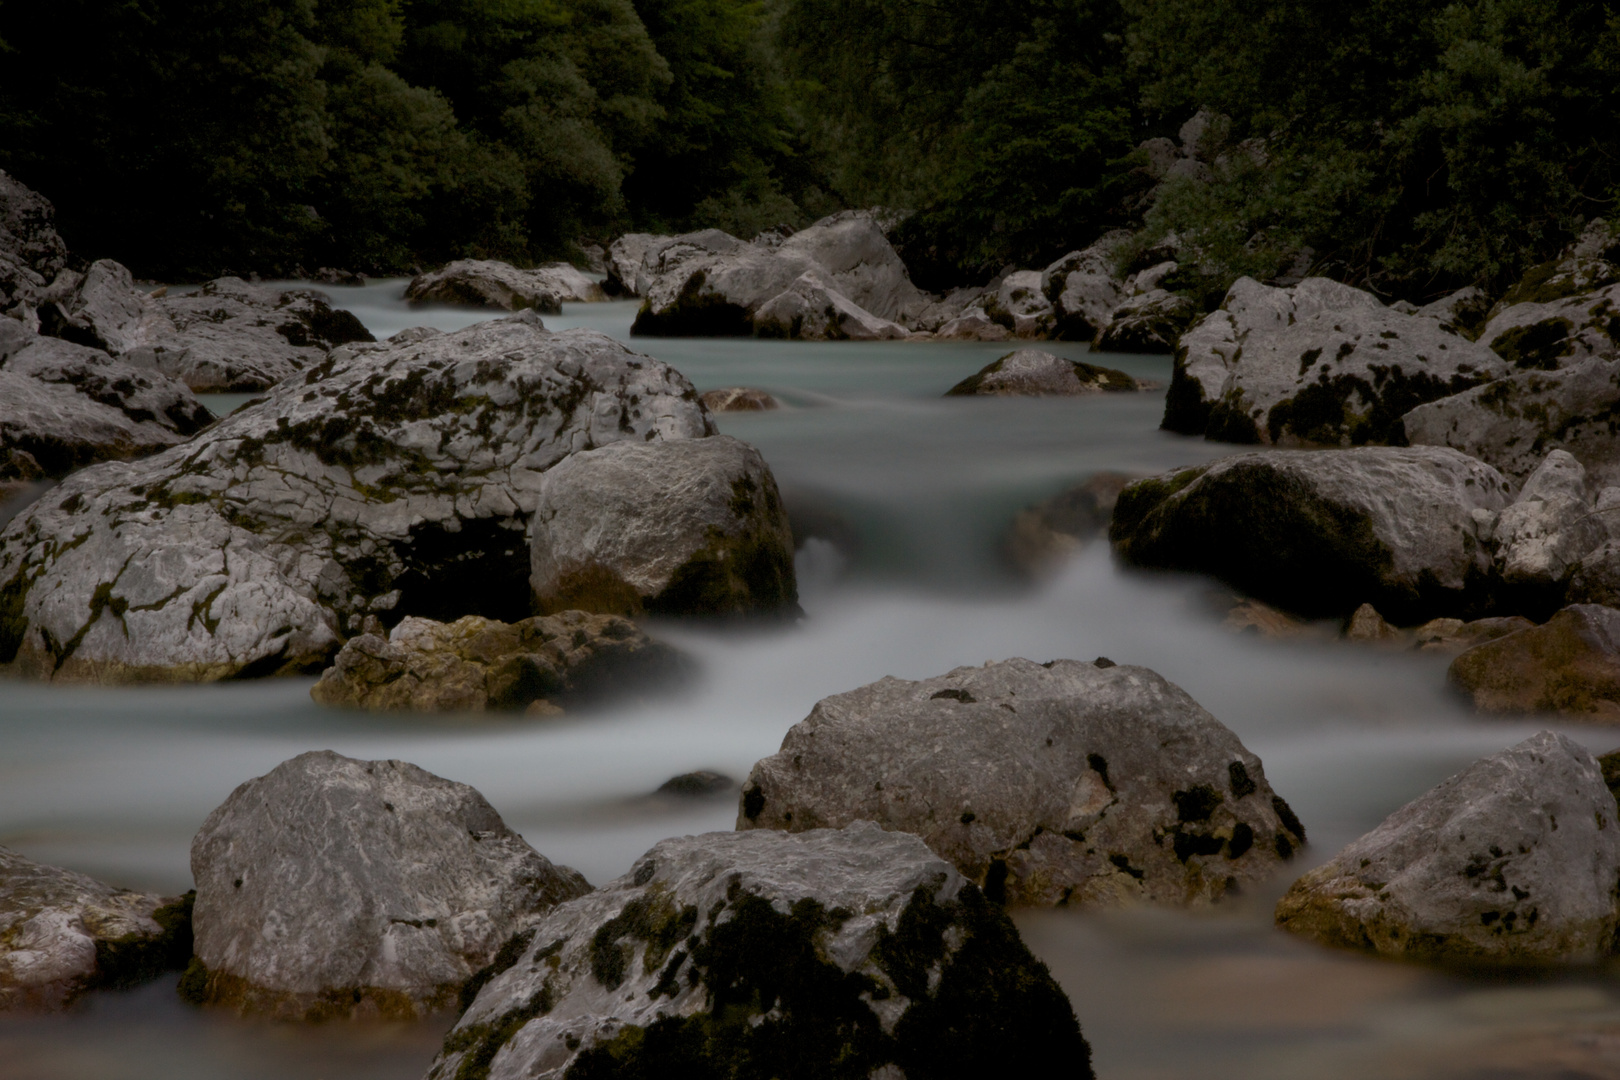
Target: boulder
{"x": 1570, "y": 664}
{"x": 1596, "y": 579}
{"x": 813, "y": 309}
{"x": 1464, "y": 310}
{"x": 626, "y": 260}
{"x": 1044, "y": 536}
{"x": 700, "y": 784}
{"x": 1321, "y": 532}
{"x": 853, "y": 250}
{"x": 849, "y": 953}
{"x": 392, "y": 480}
{"x": 331, "y": 887}
{"x": 1562, "y": 312}
{"x": 738, "y": 399}
{"x": 1453, "y": 635}
{"x": 1318, "y": 363}
{"x": 32, "y": 253}
{"x": 1513, "y": 422}
{"x": 1034, "y": 373}
{"x": 1148, "y": 318}
{"x": 1512, "y": 862}
{"x": 682, "y": 527}
{"x": 1367, "y": 625}
{"x": 487, "y": 283}
{"x": 1058, "y": 783}
{"x": 104, "y": 311}
{"x": 1542, "y": 537}
{"x": 973, "y": 325}
{"x": 1021, "y": 306}
{"x": 1084, "y": 288}
{"x": 476, "y": 664}
{"x": 62, "y": 934}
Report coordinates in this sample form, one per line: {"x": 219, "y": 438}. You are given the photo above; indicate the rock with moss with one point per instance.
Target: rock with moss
{"x": 395, "y": 479}
{"x": 1570, "y": 664}
{"x": 1563, "y": 311}
{"x": 1060, "y": 783}
{"x": 1541, "y": 538}
{"x": 811, "y": 308}
{"x": 1453, "y": 636}
{"x": 63, "y": 933}
{"x": 738, "y": 399}
{"x": 476, "y": 664}
{"x": 1035, "y": 373}
{"x": 1464, "y": 311}
{"x": 834, "y": 953}
{"x": 1148, "y": 317}
{"x": 332, "y": 887}
{"x": 1020, "y": 304}
{"x": 1045, "y": 536}
{"x": 1512, "y": 862}
{"x": 1318, "y": 363}
{"x": 973, "y": 325}
{"x": 1321, "y": 532}
{"x": 683, "y": 527}
{"x": 488, "y": 283}
{"x": 1084, "y": 288}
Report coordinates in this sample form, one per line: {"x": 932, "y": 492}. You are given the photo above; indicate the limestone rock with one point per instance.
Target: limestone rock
{"x": 813, "y": 309}
{"x": 476, "y": 664}
{"x": 1367, "y": 625}
{"x": 1058, "y": 783}
{"x": 1084, "y": 288}
{"x": 1513, "y": 861}
{"x": 1570, "y": 665}
{"x": 104, "y": 311}
{"x": 626, "y": 260}
{"x": 1044, "y": 536}
{"x": 853, "y": 953}
{"x": 32, "y": 253}
{"x": 1394, "y": 527}
{"x": 1318, "y": 363}
{"x": 1032, "y": 372}
{"x": 1557, "y": 333}
{"x": 1020, "y": 305}
{"x": 395, "y": 479}
{"x": 973, "y": 325}
{"x": 683, "y": 527}
{"x": 63, "y": 933}
{"x": 332, "y": 887}
{"x": 1464, "y": 310}
{"x": 488, "y": 283}
{"x": 1542, "y": 537}
{"x": 1148, "y": 318}
{"x": 738, "y": 399}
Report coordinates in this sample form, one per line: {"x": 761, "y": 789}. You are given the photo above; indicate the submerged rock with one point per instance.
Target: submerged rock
{"x": 488, "y": 283}
{"x": 1513, "y": 861}
{"x": 1454, "y": 635}
{"x": 1032, "y": 372}
{"x": 682, "y": 527}
{"x": 1394, "y": 527}
{"x": 850, "y": 953}
{"x": 1570, "y": 665}
{"x": 332, "y": 887}
{"x": 62, "y": 934}
{"x": 702, "y": 782}
{"x": 738, "y": 399}
{"x": 1058, "y": 783}
{"x": 1044, "y": 536}
{"x": 475, "y": 664}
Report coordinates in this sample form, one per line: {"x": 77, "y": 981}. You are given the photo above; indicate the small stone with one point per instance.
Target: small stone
{"x": 1570, "y": 665}
{"x": 702, "y": 782}
{"x": 1252, "y": 617}
{"x": 738, "y": 399}
{"x": 1367, "y": 625}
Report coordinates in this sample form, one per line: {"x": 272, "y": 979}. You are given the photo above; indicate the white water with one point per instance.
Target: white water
{"x": 115, "y": 782}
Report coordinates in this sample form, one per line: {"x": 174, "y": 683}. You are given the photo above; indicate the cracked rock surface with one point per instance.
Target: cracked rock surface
{"x": 333, "y": 887}
{"x": 489, "y": 283}
{"x": 1512, "y": 861}
{"x": 833, "y": 953}
{"x": 1060, "y": 783}
{"x": 395, "y": 479}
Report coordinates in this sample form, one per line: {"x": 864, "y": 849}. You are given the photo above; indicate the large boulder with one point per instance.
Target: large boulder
{"x": 626, "y": 260}
{"x": 1542, "y": 537}
{"x": 1021, "y": 306}
{"x": 332, "y": 887}
{"x": 1056, "y": 783}
{"x": 1563, "y": 311}
{"x": 476, "y": 664}
{"x": 1512, "y": 862}
{"x": 488, "y": 283}
{"x": 1084, "y": 288}
{"x": 393, "y": 480}
{"x": 813, "y": 309}
{"x": 1318, "y": 363}
{"x": 1321, "y": 532}
{"x": 853, "y": 953}
{"x": 63, "y": 933}
{"x": 1148, "y": 317}
{"x": 1570, "y": 664}
{"x": 682, "y": 527}
{"x": 1033, "y": 372}
{"x": 1513, "y": 422}
{"x": 32, "y": 253}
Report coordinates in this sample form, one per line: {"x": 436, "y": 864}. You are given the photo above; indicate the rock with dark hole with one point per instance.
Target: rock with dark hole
{"x": 488, "y": 283}
{"x": 738, "y": 399}
{"x": 332, "y": 887}
{"x": 1069, "y": 782}
{"x": 62, "y": 934}
{"x": 679, "y": 527}
{"x": 848, "y": 953}
{"x": 1043, "y": 537}
{"x": 1570, "y": 664}
{"x": 1511, "y": 862}
{"x": 1034, "y": 373}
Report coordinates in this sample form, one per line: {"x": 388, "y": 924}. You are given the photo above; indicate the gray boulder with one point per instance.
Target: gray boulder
{"x": 331, "y": 887}
{"x": 1511, "y": 862}
{"x": 855, "y": 953}
{"x": 62, "y": 934}
{"x": 1021, "y": 306}
{"x": 813, "y": 309}
{"x": 1032, "y": 372}
{"x": 392, "y": 480}
{"x": 1596, "y": 579}
{"x": 1570, "y": 664}
{"x": 683, "y": 527}
{"x": 973, "y": 325}
{"x": 1464, "y": 310}
{"x": 1556, "y": 333}
{"x": 488, "y": 283}
{"x": 32, "y": 254}
{"x": 1057, "y": 783}
{"x": 1321, "y": 532}
{"x": 1542, "y": 537}
{"x": 1148, "y": 318}
{"x": 1318, "y": 363}
{"x": 476, "y": 664}
{"x": 1084, "y": 288}
{"x": 104, "y": 310}
{"x": 626, "y": 262}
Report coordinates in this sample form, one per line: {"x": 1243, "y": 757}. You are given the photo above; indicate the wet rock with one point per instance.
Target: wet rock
{"x": 1318, "y": 363}
{"x": 395, "y": 479}
{"x": 476, "y": 664}
{"x": 852, "y": 953}
{"x": 811, "y": 308}
{"x": 487, "y": 283}
{"x": 1148, "y": 318}
{"x": 1367, "y": 625}
{"x": 62, "y": 934}
{"x": 1060, "y": 783}
{"x": 1084, "y": 288}
{"x": 738, "y": 399}
{"x": 1513, "y": 861}
{"x": 1044, "y": 536}
{"x": 682, "y": 527}
{"x": 1032, "y": 372}
{"x": 332, "y": 887}
{"x": 700, "y": 783}
{"x": 1454, "y": 635}
{"x": 973, "y": 325}
{"x": 1513, "y": 422}
{"x": 1542, "y": 537}
{"x": 1570, "y": 665}
{"x": 1394, "y": 527}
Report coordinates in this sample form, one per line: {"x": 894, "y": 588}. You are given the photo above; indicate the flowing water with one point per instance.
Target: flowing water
{"x": 916, "y": 491}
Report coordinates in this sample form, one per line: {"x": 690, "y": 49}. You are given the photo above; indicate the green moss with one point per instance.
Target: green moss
{"x": 1538, "y": 345}
{"x": 137, "y": 958}
{"x": 507, "y": 955}
{"x": 694, "y": 313}
{"x": 650, "y": 918}
{"x": 1140, "y": 499}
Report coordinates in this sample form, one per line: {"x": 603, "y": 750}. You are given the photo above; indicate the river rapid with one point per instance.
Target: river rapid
{"x": 920, "y": 488}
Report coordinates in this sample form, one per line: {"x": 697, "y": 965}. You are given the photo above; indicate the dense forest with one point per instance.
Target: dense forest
{"x": 1410, "y": 147}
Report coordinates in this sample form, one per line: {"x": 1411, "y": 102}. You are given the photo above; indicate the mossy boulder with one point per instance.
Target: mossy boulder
{"x": 1570, "y": 665}
{"x": 1036, "y": 373}
{"x": 489, "y": 283}
{"x": 839, "y": 954}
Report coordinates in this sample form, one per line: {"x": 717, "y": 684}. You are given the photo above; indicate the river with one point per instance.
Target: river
{"x": 114, "y": 782}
